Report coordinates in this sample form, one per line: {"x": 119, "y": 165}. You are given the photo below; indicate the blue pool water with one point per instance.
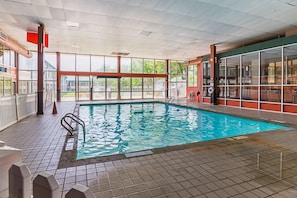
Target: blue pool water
{"x": 123, "y": 128}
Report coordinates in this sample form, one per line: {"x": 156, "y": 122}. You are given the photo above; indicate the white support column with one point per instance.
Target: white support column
{"x": 19, "y": 181}
{"x": 46, "y": 186}
{"x": 79, "y": 191}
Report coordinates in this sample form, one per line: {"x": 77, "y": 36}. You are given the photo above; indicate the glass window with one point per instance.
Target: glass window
{"x": 159, "y": 88}
{"x": 148, "y": 87}
{"x": 271, "y": 67}
{"x": 159, "y": 66}
{"x": 192, "y": 76}
{"x": 83, "y": 63}
{"x": 233, "y": 71}
{"x": 249, "y": 92}
{"x": 97, "y": 63}
{"x": 1, "y": 54}
{"x": 221, "y": 90}
{"x": 12, "y": 59}
{"x": 83, "y": 87}
{"x": 112, "y": 88}
{"x": 6, "y": 54}
{"x": 1, "y": 85}
{"x": 126, "y": 65}
{"x": 250, "y": 69}
{"x": 172, "y": 68}
{"x": 67, "y": 62}
{"x": 111, "y": 64}
{"x": 148, "y": 66}
{"x": 137, "y": 65}
{"x": 181, "y": 71}
{"x": 25, "y": 75}
{"x": 28, "y": 63}
{"x": 222, "y": 68}
{"x": 98, "y": 88}
{"x": 290, "y": 94}
{"x": 136, "y": 88}
{"x": 68, "y": 87}
{"x": 233, "y": 77}
{"x": 50, "y": 61}
{"x": 206, "y": 73}
{"x": 177, "y": 79}
{"x": 270, "y": 93}
{"x": 290, "y": 74}
{"x": 290, "y": 65}
{"x": 125, "y": 88}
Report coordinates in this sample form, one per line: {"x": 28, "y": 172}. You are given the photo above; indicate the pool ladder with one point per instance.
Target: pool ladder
{"x": 66, "y": 123}
{"x": 171, "y": 99}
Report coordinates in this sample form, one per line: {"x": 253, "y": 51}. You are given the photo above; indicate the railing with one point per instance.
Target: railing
{"x": 76, "y": 119}
{"x": 15, "y": 108}
{"x": 170, "y": 100}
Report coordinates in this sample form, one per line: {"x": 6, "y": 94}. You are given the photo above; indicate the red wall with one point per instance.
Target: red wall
{"x": 235, "y": 103}
{"x": 290, "y": 108}
{"x": 271, "y": 107}
{"x": 252, "y": 105}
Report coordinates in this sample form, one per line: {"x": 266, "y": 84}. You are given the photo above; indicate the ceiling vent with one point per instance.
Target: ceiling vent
{"x": 120, "y": 53}
{"x": 145, "y": 33}
{"x": 3, "y": 36}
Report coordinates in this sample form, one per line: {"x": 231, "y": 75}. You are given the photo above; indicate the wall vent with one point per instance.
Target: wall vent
{"x": 3, "y": 36}
{"x": 120, "y": 53}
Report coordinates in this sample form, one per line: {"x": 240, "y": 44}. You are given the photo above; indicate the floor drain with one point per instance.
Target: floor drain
{"x": 139, "y": 153}
{"x": 240, "y": 137}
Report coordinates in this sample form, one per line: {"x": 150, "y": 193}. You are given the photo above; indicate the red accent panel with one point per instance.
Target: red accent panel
{"x": 33, "y": 38}
{"x": 252, "y": 105}
{"x": 221, "y": 102}
{"x": 206, "y": 100}
{"x": 290, "y": 108}
{"x": 46, "y": 40}
{"x": 235, "y": 103}
{"x": 271, "y": 107}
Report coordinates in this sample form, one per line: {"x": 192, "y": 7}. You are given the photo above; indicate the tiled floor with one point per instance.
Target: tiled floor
{"x": 234, "y": 167}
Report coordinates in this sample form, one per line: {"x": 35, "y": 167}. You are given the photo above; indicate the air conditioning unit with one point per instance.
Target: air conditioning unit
{"x": 120, "y": 53}
{"x": 3, "y": 36}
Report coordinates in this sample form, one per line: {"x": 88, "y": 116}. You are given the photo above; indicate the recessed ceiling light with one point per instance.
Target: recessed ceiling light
{"x": 72, "y": 24}
{"x": 75, "y": 46}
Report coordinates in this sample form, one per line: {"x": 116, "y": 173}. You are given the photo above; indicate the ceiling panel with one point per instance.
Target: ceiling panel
{"x": 42, "y": 12}
{"x": 157, "y": 28}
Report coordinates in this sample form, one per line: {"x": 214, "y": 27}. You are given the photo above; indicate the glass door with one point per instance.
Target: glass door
{"x": 98, "y": 88}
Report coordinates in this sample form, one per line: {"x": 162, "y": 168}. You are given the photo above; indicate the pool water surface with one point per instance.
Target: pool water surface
{"x": 129, "y": 127}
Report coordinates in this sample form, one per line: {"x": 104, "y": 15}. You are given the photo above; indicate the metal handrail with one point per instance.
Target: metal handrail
{"x": 171, "y": 99}
{"x": 75, "y": 119}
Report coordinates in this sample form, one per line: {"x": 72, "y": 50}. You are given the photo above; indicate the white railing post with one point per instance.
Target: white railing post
{"x": 19, "y": 181}
{"x": 46, "y": 186}
{"x": 79, "y": 191}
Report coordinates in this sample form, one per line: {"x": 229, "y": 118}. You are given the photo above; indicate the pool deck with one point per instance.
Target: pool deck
{"x": 257, "y": 165}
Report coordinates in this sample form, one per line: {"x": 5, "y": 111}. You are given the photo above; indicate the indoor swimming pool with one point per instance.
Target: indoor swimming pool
{"x": 129, "y": 127}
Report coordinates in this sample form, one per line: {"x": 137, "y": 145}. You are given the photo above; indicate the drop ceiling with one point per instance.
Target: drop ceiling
{"x": 162, "y": 29}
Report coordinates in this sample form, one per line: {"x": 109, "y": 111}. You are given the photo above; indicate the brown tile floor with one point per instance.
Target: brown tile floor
{"x": 220, "y": 168}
